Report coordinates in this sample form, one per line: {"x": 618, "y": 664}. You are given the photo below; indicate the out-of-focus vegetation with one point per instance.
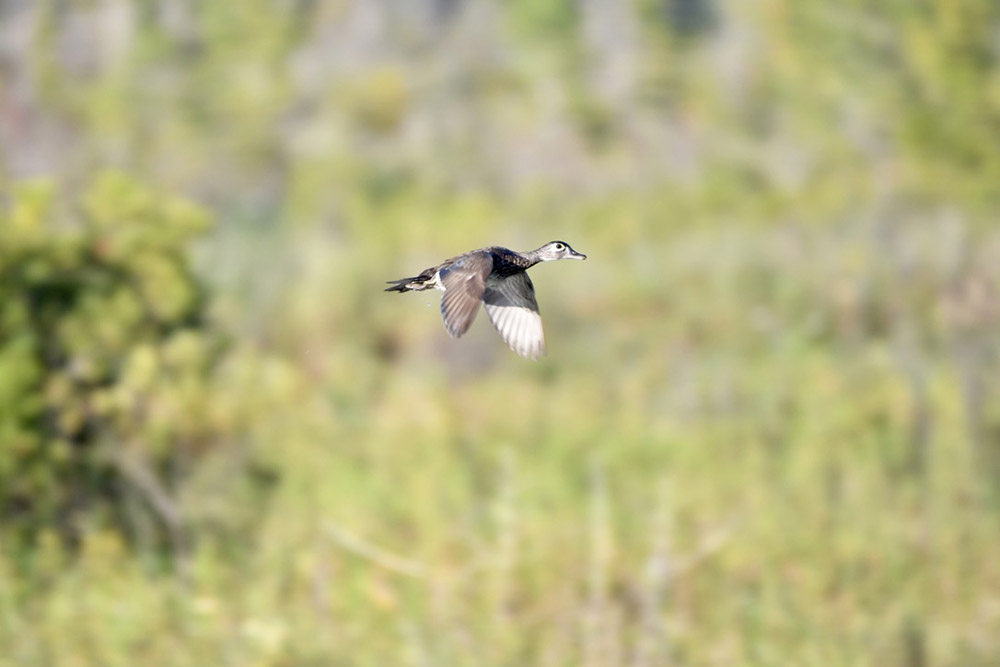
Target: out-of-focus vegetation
{"x": 768, "y": 431}
{"x": 94, "y": 320}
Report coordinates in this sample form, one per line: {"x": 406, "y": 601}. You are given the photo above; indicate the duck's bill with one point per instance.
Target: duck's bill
{"x": 573, "y": 254}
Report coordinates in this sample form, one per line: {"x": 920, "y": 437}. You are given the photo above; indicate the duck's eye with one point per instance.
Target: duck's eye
{"x": 559, "y": 246}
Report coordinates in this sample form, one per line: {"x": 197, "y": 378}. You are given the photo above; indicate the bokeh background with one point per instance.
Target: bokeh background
{"x": 768, "y": 428}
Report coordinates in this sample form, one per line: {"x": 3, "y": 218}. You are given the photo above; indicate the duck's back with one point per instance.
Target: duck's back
{"x": 506, "y": 262}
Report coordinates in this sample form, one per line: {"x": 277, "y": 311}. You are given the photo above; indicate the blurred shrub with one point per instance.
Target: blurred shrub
{"x": 380, "y": 100}
{"x": 104, "y": 355}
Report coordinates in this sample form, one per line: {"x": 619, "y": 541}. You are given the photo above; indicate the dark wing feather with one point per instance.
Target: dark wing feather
{"x": 511, "y": 306}
{"x": 464, "y": 281}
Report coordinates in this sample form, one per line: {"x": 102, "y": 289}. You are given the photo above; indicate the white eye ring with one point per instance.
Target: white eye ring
{"x": 559, "y": 246}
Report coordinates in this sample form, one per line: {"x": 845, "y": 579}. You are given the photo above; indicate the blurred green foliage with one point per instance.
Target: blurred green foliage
{"x": 767, "y": 431}
{"x": 102, "y": 343}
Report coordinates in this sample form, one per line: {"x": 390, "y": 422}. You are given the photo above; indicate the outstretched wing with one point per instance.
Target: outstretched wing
{"x": 464, "y": 282}
{"x": 511, "y": 306}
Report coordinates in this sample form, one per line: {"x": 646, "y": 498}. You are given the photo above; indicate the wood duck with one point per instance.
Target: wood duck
{"x": 496, "y": 277}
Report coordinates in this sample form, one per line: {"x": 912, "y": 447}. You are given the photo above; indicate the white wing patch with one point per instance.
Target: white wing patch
{"x": 511, "y": 306}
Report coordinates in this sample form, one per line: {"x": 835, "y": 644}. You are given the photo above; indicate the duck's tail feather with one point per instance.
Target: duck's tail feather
{"x": 401, "y": 285}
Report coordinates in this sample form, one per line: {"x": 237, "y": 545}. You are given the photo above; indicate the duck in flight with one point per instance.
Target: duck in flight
{"x": 497, "y": 278}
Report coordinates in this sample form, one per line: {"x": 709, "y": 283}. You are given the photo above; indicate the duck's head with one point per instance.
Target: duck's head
{"x": 557, "y": 250}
